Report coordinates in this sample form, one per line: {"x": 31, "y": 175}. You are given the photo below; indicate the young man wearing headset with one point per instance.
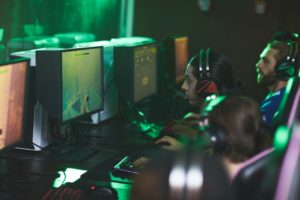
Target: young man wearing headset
{"x": 277, "y": 64}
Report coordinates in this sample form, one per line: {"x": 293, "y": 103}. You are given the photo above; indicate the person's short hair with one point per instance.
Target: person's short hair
{"x": 241, "y": 119}
{"x": 285, "y": 36}
{"x": 282, "y": 47}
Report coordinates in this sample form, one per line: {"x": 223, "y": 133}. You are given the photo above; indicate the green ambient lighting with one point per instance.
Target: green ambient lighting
{"x": 281, "y": 138}
{"x": 82, "y": 15}
{"x": 123, "y": 186}
{"x": 70, "y": 175}
{"x": 212, "y": 102}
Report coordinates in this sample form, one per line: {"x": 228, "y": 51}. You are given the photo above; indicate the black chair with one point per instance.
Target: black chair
{"x": 257, "y": 179}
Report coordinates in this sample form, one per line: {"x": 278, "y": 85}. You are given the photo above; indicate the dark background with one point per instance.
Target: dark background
{"x": 231, "y": 26}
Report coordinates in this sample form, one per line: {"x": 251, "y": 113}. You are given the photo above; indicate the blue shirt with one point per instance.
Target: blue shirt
{"x": 270, "y": 105}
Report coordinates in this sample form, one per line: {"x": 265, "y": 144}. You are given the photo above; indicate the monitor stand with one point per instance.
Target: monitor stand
{"x": 41, "y": 127}
{"x": 41, "y": 134}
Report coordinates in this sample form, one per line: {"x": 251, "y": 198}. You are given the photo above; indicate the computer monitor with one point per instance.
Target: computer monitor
{"x": 111, "y": 92}
{"x": 136, "y": 70}
{"x": 70, "y": 82}
{"x": 13, "y": 101}
{"x": 176, "y": 57}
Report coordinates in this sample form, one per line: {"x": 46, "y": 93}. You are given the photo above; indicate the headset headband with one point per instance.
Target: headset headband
{"x": 204, "y": 68}
{"x": 293, "y": 50}
{"x": 201, "y": 60}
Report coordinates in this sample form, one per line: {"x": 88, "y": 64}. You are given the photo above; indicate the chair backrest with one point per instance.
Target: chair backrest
{"x": 252, "y": 161}
{"x": 249, "y": 182}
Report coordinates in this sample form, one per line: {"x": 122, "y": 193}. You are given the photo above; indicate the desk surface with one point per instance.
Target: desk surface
{"x": 29, "y": 175}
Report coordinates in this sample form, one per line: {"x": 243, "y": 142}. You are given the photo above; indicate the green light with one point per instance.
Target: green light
{"x": 60, "y": 180}
{"x": 296, "y": 35}
{"x": 281, "y": 138}
{"x": 212, "y": 102}
{"x": 70, "y": 175}
{"x": 141, "y": 113}
{"x": 122, "y": 186}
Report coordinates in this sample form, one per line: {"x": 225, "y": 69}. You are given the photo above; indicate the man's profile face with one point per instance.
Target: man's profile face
{"x": 265, "y": 67}
{"x": 189, "y": 86}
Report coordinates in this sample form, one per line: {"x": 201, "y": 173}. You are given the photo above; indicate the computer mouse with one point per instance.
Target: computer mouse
{"x": 103, "y": 193}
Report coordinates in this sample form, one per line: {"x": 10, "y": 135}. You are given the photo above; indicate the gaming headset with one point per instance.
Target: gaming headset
{"x": 287, "y": 67}
{"x": 206, "y": 85}
{"x": 213, "y": 135}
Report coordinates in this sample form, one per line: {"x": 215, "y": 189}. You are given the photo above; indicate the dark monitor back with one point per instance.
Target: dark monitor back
{"x": 13, "y": 102}
{"x": 176, "y": 57}
{"x": 70, "y": 82}
{"x": 136, "y": 70}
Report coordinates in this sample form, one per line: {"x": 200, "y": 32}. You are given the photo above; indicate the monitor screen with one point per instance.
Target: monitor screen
{"x": 13, "y": 84}
{"x": 176, "y": 57}
{"x": 111, "y": 94}
{"x": 181, "y": 57}
{"x": 69, "y": 82}
{"x": 145, "y": 67}
{"x": 136, "y": 70}
{"x": 81, "y": 82}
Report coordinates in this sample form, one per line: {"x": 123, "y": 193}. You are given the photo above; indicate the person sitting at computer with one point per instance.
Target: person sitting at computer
{"x": 278, "y": 62}
{"x": 231, "y": 127}
{"x": 208, "y": 72}
{"x": 237, "y": 122}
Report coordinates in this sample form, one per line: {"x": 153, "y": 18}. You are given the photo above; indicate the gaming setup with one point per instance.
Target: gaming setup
{"x": 44, "y": 92}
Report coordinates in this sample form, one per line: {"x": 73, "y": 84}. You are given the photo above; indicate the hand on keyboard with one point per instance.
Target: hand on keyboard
{"x": 178, "y": 128}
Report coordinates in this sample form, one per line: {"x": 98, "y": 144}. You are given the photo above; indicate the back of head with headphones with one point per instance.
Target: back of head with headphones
{"x": 233, "y": 127}
{"x": 213, "y": 135}
{"x": 288, "y": 67}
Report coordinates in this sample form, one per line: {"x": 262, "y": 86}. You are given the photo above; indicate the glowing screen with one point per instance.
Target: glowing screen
{"x": 12, "y": 93}
{"x": 81, "y": 82}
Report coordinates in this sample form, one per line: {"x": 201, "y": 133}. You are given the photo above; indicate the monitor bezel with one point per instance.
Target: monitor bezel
{"x": 61, "y": 84}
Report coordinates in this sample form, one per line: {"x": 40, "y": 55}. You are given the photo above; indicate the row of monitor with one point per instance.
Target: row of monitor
{"x": 69, "y": 84}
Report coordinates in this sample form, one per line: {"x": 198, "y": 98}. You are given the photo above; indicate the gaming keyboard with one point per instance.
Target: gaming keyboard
{"x": 68, "y": 192}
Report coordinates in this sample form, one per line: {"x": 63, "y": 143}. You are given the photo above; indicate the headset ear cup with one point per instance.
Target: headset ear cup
{"x": 218, "y": 138}
{"x": 285, "y": 69}
{"x": 206, "y": 86}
